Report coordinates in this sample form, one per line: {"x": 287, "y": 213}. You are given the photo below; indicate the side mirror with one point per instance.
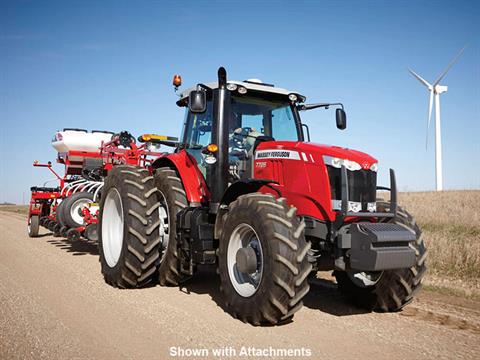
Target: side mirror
{"x": 341, "y": 118}
{"x": 197, "y": 101}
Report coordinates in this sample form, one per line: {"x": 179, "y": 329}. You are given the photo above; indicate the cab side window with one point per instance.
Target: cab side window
{"x": 198, "y": 133}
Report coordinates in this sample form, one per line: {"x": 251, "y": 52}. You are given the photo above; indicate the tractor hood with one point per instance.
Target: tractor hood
{"x": 315, "y": 152}
{"x": 362, "y": 158}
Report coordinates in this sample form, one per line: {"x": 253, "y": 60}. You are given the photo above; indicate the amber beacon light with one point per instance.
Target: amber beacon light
{"x": 177, "y": 80}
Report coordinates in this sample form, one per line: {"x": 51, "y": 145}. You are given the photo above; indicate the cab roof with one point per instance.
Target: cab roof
{"x": 253, "y": 85}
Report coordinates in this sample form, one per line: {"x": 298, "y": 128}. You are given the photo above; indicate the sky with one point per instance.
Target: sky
{"x": 109, "y": 65}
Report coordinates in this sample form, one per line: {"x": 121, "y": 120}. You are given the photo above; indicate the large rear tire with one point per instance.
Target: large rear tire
{"x": 173, "y": 199}
{"x": 129, "y": 240}
{"x": 389, "y": 290}
{"x": 262, "y": 259}
{"x": 33, "y": 226}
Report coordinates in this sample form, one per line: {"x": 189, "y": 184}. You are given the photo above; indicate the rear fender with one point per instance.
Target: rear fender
{"x": 192, "y": 179}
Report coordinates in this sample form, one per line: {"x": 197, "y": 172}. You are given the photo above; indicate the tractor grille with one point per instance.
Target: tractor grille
{"x": 362, "y": 185}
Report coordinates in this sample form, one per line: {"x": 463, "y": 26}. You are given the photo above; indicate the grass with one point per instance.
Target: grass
{"x": 450, "y": 222}
{"x": 446, "y": 207}
{"x": 19, "y": 209}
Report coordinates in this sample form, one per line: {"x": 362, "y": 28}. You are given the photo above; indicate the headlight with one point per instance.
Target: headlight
{"x": 351, "y": 165}
{"x": 354, "y": 206}
{"x": 337, "y": 162}
{"x": 242, "y": 90}
{"x": 232, "y": 87}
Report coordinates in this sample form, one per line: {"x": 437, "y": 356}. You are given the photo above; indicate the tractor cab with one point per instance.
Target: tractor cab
{"x": 250, "y": 132}
{"x": 257, "y": 113}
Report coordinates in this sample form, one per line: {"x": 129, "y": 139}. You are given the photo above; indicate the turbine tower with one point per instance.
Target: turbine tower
{"x": 435, "y": 90}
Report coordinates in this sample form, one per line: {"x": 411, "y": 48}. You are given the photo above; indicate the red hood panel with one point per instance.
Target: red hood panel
{"x": 318, "y": 150}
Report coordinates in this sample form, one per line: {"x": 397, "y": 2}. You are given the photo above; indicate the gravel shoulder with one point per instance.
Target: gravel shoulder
{"x": 55, "y": 305}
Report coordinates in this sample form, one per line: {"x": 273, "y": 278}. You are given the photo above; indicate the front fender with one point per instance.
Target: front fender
{"x": 237, "y": 189}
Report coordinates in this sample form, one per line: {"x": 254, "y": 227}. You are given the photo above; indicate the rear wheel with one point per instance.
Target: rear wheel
{"x": 129, "y": 240}
{"x": 33, "y": 226}
{"x": 388, "y": 290}
{"x": 173, "y": 199}
{"x": 262, "y": 259}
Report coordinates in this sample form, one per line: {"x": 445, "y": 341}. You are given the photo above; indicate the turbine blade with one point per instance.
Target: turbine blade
{"x": 419, "y": 78}
{"x": 455, "y": 59}
{"x": 430, "y": 107}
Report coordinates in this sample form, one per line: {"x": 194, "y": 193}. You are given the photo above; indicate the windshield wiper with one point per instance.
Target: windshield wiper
{"x": 305, "y": 107}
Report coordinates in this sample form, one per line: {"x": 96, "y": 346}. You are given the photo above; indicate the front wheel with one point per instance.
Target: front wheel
{"x": 128, "y": 228}
{"x": 262, "y": 259}
{"x": 388, "y": 290}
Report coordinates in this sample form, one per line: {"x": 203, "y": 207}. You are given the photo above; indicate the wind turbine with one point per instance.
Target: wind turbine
{"x": 435, "y": 90}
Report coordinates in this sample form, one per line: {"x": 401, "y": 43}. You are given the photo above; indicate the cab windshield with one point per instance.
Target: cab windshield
{"x": 263, "y": 117}
{"x": 249, "y": 115}
{"x": 250, "y": 118}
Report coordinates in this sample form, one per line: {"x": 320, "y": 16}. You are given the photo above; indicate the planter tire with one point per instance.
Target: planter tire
{"x": 33, "y": 226}
{"x": 72, "y": 206}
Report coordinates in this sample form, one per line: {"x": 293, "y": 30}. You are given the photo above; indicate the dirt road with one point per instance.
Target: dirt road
{"x": 54, "y": 304}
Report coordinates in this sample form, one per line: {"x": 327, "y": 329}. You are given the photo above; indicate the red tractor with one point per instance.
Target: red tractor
{"x": 246, "y": 192}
